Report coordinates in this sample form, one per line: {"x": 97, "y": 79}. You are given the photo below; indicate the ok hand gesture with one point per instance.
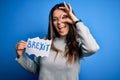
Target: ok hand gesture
{"x": 71, "y": 17}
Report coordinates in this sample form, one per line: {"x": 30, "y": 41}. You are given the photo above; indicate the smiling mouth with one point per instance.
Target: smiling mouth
{"x": 61, "y": 28}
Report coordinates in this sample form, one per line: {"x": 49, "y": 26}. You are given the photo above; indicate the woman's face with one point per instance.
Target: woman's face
{"x": 59, "y": 24}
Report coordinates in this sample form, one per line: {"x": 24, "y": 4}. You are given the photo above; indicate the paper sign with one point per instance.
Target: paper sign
{"x": 38, "y": 47}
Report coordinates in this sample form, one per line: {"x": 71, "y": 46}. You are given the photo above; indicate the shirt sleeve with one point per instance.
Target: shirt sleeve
{"x": 29, "y": 64}
{"x": 87, "y": 43}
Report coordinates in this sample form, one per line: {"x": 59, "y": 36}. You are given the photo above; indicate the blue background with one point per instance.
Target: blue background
{"x": 21, "y": 19}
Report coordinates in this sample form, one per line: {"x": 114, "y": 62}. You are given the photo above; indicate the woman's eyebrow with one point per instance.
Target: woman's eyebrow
{"x": 54, "y": 17}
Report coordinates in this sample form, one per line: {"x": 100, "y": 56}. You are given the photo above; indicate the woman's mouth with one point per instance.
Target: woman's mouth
{"x": 61, "y": 28}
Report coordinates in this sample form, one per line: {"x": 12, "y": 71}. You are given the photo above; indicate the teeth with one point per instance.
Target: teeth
{"x": 61, "y": 27}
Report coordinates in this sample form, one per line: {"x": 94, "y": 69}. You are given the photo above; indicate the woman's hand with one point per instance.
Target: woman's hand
{"x": 71, "y": 17}
{"x": 20, "y": 47}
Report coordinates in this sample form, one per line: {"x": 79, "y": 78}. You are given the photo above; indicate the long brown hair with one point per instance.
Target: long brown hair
{"x": 72, "y": 51}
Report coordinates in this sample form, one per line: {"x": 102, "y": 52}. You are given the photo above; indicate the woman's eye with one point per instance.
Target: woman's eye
{"x": 55, "y": 19}
{"x": 64, "y": 17}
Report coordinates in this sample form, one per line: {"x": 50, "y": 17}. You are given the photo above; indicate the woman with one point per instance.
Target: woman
{"x": 71, "y": 40}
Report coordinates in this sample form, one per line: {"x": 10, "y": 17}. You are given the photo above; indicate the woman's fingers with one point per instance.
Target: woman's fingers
{"x": 23, "y": 42}
{"x": 68, "y": 20}
{"x": 21, "y": 45}
{"x": 62, "y": 8}
{"x": 67, "y": 8}
{"x": 70, "y": 6}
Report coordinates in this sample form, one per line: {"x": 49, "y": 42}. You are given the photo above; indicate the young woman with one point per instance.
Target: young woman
{"x": 71, "y": 40}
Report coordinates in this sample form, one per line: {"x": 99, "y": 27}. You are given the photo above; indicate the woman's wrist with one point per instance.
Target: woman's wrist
{"x": 18, "y": 56}
{"x": 76, "y": 22}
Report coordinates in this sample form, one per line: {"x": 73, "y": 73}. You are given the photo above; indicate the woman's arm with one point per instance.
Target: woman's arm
{"x": 29, "y": 64}
{"x": 24, "y": 60}
{"x": 88, "y": 44}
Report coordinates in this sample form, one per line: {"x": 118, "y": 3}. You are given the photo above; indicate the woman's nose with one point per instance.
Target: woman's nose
{"x": 59, "y": 20}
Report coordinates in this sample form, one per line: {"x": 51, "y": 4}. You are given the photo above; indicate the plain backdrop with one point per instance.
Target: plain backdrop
{"x": 23, "y": 19}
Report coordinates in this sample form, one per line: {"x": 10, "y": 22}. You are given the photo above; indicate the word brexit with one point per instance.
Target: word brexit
{"x": 38, "y": 47}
